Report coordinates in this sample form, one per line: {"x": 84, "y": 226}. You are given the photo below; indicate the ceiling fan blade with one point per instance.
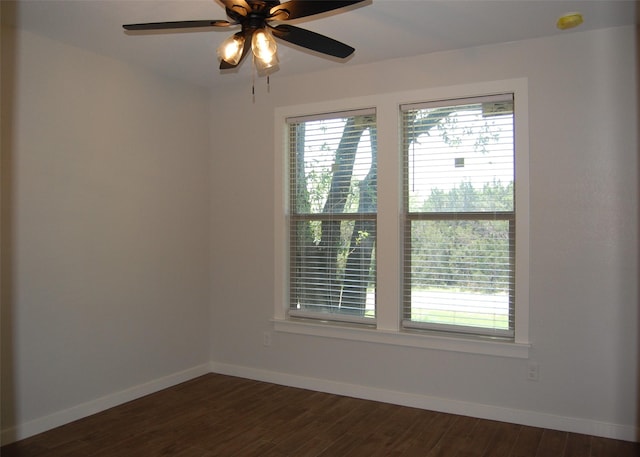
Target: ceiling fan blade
{"x": 238, "y": 6}
{"x": 224, "y": 65}
{"x": 177, "y": 25}
{"x": 294, "y": 9}
{"x": 312, "y": 40}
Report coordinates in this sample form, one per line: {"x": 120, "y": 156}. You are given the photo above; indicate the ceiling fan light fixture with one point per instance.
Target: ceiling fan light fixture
{"x": 263, "y": 65}
{"x": 264, "y": 47}
{"x": 231, "y": 49}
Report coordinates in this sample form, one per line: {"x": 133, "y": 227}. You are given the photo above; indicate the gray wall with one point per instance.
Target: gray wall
{"x": 107, "y": 222}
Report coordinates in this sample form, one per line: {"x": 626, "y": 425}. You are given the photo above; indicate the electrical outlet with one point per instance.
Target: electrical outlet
{"x": 533, "y": 371}
{"x": 266, "y": 339}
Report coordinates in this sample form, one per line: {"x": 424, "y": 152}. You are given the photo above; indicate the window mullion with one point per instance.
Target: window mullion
{"x": 389, "y": 290}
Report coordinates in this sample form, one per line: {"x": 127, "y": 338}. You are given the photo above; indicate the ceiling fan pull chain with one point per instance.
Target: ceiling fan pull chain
{"x": 253, "y": 78}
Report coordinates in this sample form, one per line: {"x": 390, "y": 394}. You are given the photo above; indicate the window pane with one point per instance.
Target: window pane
{"x": 457, "y": 157}
{"x": 333, "y": 267}
{"x": 333, "y": 194}
{"x": 460, "y": 273}
{"x": 460, "y": 221}
{"x": 334, "y": 165}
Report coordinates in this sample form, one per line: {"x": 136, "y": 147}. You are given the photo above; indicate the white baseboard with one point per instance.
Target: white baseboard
{"x": 516, "y": 416}
{"x": 42, "y": 424}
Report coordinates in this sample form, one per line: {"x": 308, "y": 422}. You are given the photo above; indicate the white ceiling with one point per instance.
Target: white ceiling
{"x": 378, "y": 29}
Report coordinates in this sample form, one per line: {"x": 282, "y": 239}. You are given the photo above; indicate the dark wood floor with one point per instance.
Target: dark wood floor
{"x": 217, "y": 415}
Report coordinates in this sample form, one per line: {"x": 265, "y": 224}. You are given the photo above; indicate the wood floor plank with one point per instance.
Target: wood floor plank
{"x": 526, "y": 444}
{"x": 552, "y": 444}
{"x": 456, "y": 438}
{"x": 388, "y": 436}
{"x": 193, "y": 452}
{"x": 426, "y": 432}
{"x": 217, "y": 415}
{"x": 604, "y": 447}
{"x": 577, "y": 445}
{"x": 479, "y": 439}
{"x": 312, "y": 448}
{"x": 503, "y": 440}
{"x": 343, "y": 445}
{"x": 425, "y": 443}
{"x": 304, "y": 437}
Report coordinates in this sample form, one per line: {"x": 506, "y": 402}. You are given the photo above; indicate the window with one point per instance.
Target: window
{"x": 332, "y": 223}
{"x": 459, "y": 237}
{"x": 406, "y": 223}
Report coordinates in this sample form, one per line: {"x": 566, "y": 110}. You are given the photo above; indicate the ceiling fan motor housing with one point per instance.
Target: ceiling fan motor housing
{"x": 256, "y": 16}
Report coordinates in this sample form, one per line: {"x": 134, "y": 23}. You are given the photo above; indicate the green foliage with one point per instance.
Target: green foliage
{"x": 463, "y": 254}
{"x": 463, "y": 198}
{"x": 318, "y": 184}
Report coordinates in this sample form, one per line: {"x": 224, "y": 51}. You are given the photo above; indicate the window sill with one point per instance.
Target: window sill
{"x": 423, "y": 340}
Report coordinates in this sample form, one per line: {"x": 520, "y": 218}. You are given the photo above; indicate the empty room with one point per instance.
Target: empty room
{"x": 304, "y": 228}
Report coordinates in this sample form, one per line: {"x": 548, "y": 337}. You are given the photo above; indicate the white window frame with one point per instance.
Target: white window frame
{"x": 389, "y": 246}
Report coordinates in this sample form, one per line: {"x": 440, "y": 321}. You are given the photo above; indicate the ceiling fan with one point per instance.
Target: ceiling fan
{"x": 257, "y": 33}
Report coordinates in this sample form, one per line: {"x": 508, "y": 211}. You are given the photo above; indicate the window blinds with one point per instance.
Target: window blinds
{"x": 332, "y": 217}
{"x": 459, "y": 229}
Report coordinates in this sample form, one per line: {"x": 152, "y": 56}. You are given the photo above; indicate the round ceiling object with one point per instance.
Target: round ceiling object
{"x": 569, "y": 21}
